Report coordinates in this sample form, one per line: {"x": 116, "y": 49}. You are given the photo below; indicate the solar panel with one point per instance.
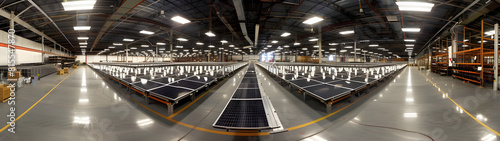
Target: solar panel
{"x": 326, "y": 92}
{"x": 188, "y": 84}
{"x": 247, "y": 93}
{"x": 170, "y": 92}
{"x": 243, "y": 114}
{"x": 304, "y": 82}
{"x": 348, "y": 84}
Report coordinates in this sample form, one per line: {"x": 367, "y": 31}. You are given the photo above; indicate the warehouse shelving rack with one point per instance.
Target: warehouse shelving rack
{"x": 475, "y": 60}
{"x": 439, "y": 58}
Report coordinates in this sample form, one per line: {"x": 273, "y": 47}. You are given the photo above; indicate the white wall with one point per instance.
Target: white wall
{"x": 23, "y": 56}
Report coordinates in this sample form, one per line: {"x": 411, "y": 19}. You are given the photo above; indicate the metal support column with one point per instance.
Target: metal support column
{"x": 319, "y": 44}
{"x": 495, "y": 65}
{"x": 43, "y": 48}
{"x": 171, "y": 44}
{"x": 126, "y": 53}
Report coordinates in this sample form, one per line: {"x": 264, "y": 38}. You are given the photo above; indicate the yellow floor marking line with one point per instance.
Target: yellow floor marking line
{"x": 6, "y": 126}
{"x": 470, "y": 115}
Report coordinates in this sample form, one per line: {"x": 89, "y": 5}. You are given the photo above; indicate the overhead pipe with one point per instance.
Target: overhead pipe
{"x": 238, "y": 5}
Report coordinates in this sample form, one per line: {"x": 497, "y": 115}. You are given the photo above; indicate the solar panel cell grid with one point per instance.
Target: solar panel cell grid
{"x": 243, "y": 113}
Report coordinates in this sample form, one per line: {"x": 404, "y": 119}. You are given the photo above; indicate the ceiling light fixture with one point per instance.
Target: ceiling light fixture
{"x": 162, "y": 44}
{"x": 144, "y": 45}
{"x": 274, "y": 41}
{"x": 83, "y": 38}
{"x": 78, "y": 5}
{"x": 410, "y": 29}
{"x": 313, "y": 20}
{"x": 180, "y": 19}
{"x": 128, "y": 40}
{"x": 182, "y": 39}
{"x": 415, "y": 6}
{"x": 117, "y": 44}
{"x": 83, "y": 43}
{"x": 146, "y": 32}
{"x": 210, "y": 34}
{"x": 286, "y": 34}
{"x": 111, "y": 47}
{"x": 410, "y": 45}
{"x": 286, "y": 46}
{"x": 133, "y": 48}
{"x": 374, "y": 45}
{"x": 81, "y": 27}
{"x": 346, "y": 32}
{"x": 223, "y": 41}
{"x": 211, "y": 46}
{"x": 199, "y": 43}
{"x": 410, "y": 40}
{"x": 296, "y": 44}
{"x": 314, "y": 39}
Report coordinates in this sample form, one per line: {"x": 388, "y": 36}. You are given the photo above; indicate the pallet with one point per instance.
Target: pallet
{"x": 6, "y": 99}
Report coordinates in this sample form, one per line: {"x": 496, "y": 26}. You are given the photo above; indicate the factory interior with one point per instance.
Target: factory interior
{"x": 249, "y": 70}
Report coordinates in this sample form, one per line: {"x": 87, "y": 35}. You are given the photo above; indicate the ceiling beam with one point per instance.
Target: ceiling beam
{"x": 124, "y": 8}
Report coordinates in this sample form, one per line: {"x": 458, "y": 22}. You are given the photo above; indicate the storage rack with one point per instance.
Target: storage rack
{"x": 66, "y": 61}
{"x": 439, "y": 58}
{"x": 471, "y": 65}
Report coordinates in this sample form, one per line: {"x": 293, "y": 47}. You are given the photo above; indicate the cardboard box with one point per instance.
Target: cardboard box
{"x": 60, "y": 72}
{"x": 17, "y": 75}
{"x": 75, "y": 66}
{"x": 4, "y": 92}
{"x": 66, "y": 70}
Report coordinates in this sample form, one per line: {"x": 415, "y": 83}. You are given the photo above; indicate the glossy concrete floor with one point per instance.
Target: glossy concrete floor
{"x": 409, "y": 107}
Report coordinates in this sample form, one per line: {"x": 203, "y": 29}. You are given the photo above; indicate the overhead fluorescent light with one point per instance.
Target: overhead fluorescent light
{"x": 231, "y": 45}
{"x": 286, "y": 34}
{"x": 78, "y": 5}
{"x": 343, "y": 50}
{"x": 210, "y": 34}
{"x": 274, "y": 41}
{"x": 346, "y": 32}
{"x": 333, "y": 44}
{"x": 313, "y": 20}
{"x": 223, "y": 41}
{"x": 81, "y": 27}
{"x": 348, "y": 47}
{"x": 133, "y": 48}
{"x": 410, "y": 40}
{"x": 199, "y": 43}
{"x": 117, "y": 44}
{"x": 178, "y": 46}
{"x": 410, "y": 45}
{"x": 332, "y": 49}
{"x": 83, "y": 43}
{"x": 316, "y": 46}
{"x": 83, "y": 46}
{"x": 111, "y": 47}
{"x": 144, "y": 45}
{"x": 304, "y": 48}
{"x": 415, "y": 6}
{"x": 128, "y": 40}
{"x": 373, "y": 45}
{"x": 313, "y": 39}
{"x": 286, "y": 46}
{"x": 182, "y": 39}
{"x": 159, "y": 43}
{"x": 83, "y": 38}
{"x": 296, "y": 44}
{"x": 409, "y": 48}
{"x": 211, "y": 46}
{"x": 146, "y": 32}
{"x": 180, "y": 19}
{"x": 410, "y": 29}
